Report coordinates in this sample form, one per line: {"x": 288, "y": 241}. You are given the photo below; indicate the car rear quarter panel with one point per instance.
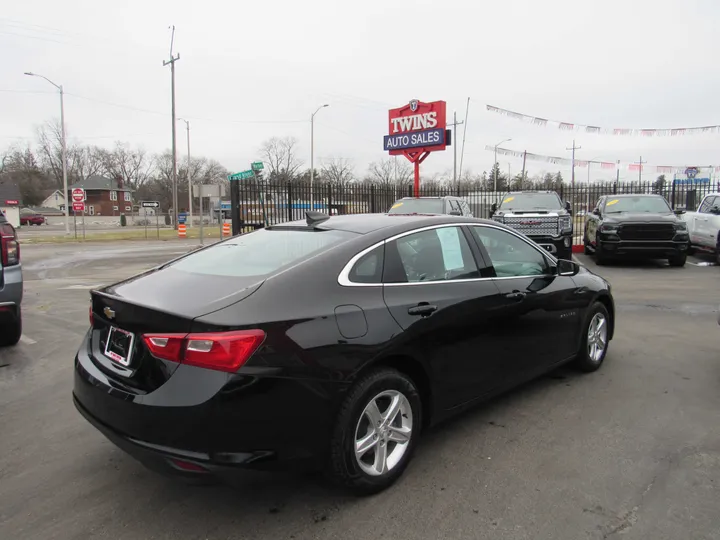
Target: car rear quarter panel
{"x": 11, "y": 284}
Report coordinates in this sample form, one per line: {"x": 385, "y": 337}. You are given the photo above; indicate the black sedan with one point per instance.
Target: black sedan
{"x": 333, "y": 341}
{"x": 640, "y": 225}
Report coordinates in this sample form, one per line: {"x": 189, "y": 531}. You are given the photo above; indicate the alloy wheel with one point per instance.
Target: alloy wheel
{"x": 383, "y": 433}
{"x": 597, "y": 337}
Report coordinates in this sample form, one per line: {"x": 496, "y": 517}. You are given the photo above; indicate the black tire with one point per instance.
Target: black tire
{"x": 584, "y": 361}
{"x": 344, "y": 467}
{"x": 10, "y": 332}
{"x": 600, "y": 257}
{"x": 691, "y": 249}
{"x": 678, "y": 260}
{"x": 565, "y": 254}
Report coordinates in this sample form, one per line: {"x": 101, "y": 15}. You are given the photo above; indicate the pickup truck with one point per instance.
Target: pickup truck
{"x": 11, "y": 284}
{"x": 704, "y": 225}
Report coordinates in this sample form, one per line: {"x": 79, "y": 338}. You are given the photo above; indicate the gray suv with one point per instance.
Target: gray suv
{"x": 453, "y": 206}
{"x": 11, "y": 284}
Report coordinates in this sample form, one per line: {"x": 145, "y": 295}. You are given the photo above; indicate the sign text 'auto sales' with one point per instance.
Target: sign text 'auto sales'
{"x": 416, "y": 125}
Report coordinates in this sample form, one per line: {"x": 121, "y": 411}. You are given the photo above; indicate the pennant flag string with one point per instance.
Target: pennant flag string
{"x": 567, "y": 126}
{"x": 605, "y": 165}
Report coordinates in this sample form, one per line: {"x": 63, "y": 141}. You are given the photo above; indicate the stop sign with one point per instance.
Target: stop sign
{"x": 78, "y": 195}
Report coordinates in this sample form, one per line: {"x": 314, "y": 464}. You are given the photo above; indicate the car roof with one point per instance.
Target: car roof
{"x": 367, "y": 223}
{"x": 628, "y": 195}
{"x": 532, "y": 192}
{"x": 430, "y": 197}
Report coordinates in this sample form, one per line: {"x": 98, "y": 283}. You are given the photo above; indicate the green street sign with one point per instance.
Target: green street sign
{"x": 257, "y": 166}
{"x": 244, "y": 175}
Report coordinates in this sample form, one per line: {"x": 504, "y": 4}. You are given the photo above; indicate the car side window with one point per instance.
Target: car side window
{"x": 440, "y": 254}
{"x": 454, "y": 206}
{"x": 511, "y": 256}
{"x": 465, "y": 208}
{"x": 707, "y": 205}
{"x": 369, "y": 268}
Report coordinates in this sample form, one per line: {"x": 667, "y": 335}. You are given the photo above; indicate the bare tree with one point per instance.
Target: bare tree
{"x": 134, "y": 166}
{"x": 337, "y": 171}
{"x": 82, "y": 161}
{"x": 390, "y": 171}
{"x": 281, "y": 158}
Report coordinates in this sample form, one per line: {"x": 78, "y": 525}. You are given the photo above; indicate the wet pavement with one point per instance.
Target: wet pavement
{"x": 629, "y": 452}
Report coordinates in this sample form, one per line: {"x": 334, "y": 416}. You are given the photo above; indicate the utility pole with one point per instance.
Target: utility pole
{"x": 523, "y": 169}
{"x": 172, "y": 61}
{"x": 189, "y": 178}
{"x": 312, "y": 154}
{"x": 496, "y": 167}
{"x": 572, "y": 182}
{"x": 455, "y": 124}
{"x": 640, "y": 164}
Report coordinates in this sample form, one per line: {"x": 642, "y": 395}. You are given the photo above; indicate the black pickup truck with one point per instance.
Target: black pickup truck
{"x": 541, "y": 216}
{"x": 635, "y": 225}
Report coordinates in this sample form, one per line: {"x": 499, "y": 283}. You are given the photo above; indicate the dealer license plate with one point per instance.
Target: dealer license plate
{"x": 119, "y": 345}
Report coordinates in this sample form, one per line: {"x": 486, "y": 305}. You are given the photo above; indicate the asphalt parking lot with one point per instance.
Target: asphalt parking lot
{"x": 631, "y": 451}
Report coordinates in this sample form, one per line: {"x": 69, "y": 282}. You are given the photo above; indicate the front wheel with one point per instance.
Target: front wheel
{"x": 600, "y": 257}
{"x": 595, "y": 339}
{"x": 678, "y": 260}
{"x": 375, "y": 432}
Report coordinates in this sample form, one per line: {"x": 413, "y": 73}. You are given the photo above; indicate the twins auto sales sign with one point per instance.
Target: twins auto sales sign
{"x": 415, "y": 128}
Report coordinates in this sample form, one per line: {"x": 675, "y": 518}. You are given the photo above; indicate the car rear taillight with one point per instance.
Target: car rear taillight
{"x": 221, "y": 351}
{"x": 91, "y": 317}
{"x": 9, "y": 246}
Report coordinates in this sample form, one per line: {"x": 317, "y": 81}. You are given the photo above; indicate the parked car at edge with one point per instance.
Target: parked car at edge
{"x": 11, "y": 284}
{"x": 449, "y": 205}
{"x": 335, "y": 340}
{"x": 638, "y": 226}
{"x": 31, "y": 218}
{"x": 541, "y": 216}
{"x": 704, "y": 225}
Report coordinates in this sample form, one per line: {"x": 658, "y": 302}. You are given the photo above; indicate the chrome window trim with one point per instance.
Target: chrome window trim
{"x": 344, "y": 276}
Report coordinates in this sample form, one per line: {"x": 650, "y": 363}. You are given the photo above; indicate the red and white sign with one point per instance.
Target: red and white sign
{"x": 415, "y": 130}
{"x": 12, "y": 202}
{"x": 78, "y": 206}
{"x": 78, "y": 195}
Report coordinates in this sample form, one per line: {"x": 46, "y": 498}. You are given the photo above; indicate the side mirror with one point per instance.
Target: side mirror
{"x": 567, "y": 268}
{"x": 568, "y": 206}
{"x": 493, "y": 207}
{"x": 596, "y": 211}
{"x": 715, "y": 210}
{"x": 679, "y": 212}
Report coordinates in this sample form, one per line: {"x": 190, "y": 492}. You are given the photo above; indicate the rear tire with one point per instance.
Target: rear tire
{"x": 595, "y": 339}
{"x": 678, "y": 260}
{"x": 11, "y": 332}
{"x": 691, "y": 249}
{"x": 382, "y": 416}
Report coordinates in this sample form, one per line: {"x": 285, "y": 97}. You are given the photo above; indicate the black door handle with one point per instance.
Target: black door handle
{"x": 424, "y": 310}
{"x": 516, "y": 295}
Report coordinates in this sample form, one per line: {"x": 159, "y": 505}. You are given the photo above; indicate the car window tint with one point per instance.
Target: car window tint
{"x": 511, "y": 256}
{"x": 434, "y": 255}
{"x": 454, "y": 206}
{"x": 368, "y": 269}
{"x": 260, "y": 253}
{"x": 707, "y": 205}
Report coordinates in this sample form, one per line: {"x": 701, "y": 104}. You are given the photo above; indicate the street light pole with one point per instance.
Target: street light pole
{"x": 312, "y": 154}
{"x": 63, "y": 146}
{"x": 495, "y": 167}
{"x": 189, "y": 179}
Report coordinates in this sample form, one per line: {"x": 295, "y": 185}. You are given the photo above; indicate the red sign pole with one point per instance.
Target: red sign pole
{"x": 416, "y": 187}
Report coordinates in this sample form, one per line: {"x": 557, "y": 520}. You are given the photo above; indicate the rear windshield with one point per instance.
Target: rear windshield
{"x": 260, "y": 253}
{"x": 531, "y": 201}
{"x": 417, "y": 206}
{"x": 655, "y": 205}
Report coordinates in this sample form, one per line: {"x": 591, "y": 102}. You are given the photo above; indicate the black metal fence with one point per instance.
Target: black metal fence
{"x": 272, "y": 204}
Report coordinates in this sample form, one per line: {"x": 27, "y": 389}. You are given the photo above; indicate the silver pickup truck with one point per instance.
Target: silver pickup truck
{"x": 704, "y": 225}
{"x": 11, "y": 284}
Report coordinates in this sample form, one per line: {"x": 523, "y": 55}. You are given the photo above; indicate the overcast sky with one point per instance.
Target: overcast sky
{"x": 252, "y": 70}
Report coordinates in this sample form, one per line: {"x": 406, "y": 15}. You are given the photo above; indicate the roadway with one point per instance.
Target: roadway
{"x": 632, "y": 451}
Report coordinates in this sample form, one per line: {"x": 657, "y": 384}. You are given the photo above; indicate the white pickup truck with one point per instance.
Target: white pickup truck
{"x": 704, "y": 225}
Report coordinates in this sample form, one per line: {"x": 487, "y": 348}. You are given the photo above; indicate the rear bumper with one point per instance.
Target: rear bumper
{"x": 217, "y": 420}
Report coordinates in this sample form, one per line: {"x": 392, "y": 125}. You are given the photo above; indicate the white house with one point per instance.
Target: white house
{"x": 54, "y": 200}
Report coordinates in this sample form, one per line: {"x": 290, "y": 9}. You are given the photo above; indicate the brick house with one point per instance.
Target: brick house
{"x": 104, "y": 196}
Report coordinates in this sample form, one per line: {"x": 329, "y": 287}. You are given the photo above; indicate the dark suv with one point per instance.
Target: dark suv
{"x": 541, "y": 216}
{"x": 453, "y": 206}
{"x": 11, "y": 284}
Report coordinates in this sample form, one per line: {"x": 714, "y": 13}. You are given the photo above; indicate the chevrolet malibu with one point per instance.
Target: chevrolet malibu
{"x": 333, "y": 341}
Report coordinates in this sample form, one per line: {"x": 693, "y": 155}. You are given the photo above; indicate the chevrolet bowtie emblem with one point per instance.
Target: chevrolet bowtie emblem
{"x": 109, "y": 313}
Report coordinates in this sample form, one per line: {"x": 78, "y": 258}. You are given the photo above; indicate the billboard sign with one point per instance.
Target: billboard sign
{"x": 416, "y": 126}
